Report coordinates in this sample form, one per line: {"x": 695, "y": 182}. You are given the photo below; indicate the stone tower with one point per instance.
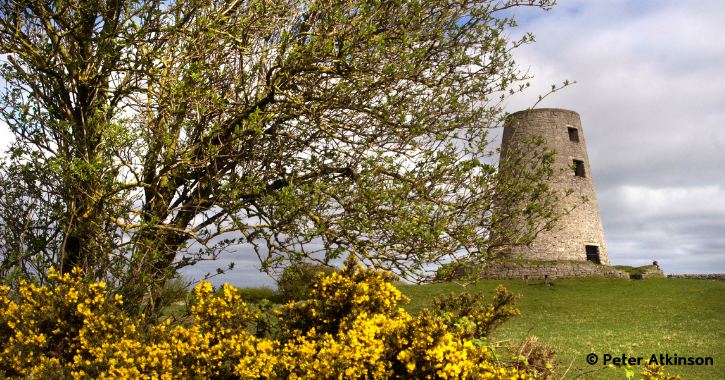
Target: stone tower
{"x": 579, "y": 235}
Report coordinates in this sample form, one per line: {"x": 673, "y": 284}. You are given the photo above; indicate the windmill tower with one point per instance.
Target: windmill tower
{"x": 579, "y": 235}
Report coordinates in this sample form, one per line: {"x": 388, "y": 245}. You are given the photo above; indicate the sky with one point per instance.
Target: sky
{"x": 651, "y": 95}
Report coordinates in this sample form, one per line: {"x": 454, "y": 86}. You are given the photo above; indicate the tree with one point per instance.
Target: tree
{"x": 153, "y": 134}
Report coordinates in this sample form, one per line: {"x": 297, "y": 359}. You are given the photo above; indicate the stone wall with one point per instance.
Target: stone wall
{"x": 713, "y": 277}
{"x": 651, "y": 272}
{"x": 534, "y": 270}
{"x": 567, "y": 269}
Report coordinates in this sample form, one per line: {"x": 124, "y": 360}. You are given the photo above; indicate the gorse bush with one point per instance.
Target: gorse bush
{"x": 656, "y": 372}
{"x": 349, "y": 328}
{"x": 295, "y": 284}
{"x": 470, "y": 307}
{"x": 53, "y": 332}
{"x": 337, "y": 300}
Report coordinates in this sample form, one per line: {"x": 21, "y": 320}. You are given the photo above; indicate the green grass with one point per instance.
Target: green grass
{"x": 610, "y": 316}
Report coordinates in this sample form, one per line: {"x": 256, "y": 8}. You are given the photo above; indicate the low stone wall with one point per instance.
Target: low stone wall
{"x": 713, "y": 277}
{"x": 651, "y": 272}
{"x": 553, "y": 270}
{"x": 566, "y": 269}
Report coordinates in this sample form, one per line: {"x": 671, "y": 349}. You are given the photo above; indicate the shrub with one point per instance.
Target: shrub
{"x": 350, "y": 328}
{"x": 177, "y": 289}
{"x": 656, "y": 372}
{"x": 534, "y": 358}
{"x": 55, "y": 329}
{"x": 295, "y": 284}
{"x": 485, "y": 318}
{"x": 256, "y": 295}
{"x": 452, "y": 271}
{"x": 338, "y": 299}
{"x": 70, "y": 330}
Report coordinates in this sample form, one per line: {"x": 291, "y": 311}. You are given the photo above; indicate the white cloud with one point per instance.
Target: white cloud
{"x": 671, "y": 202}
{"x": 651, "y": 94}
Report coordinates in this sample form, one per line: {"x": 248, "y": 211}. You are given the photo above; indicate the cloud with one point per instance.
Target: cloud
{"x": 651, "y": 94}
{"x": 245, "y": 273}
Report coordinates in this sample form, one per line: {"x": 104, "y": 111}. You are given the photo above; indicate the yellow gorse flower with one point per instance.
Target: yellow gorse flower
{"x": 350, "y": 329}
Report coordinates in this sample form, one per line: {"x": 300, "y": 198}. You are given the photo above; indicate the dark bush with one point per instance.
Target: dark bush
{"x": 178, "y": 289}
{"x": 255, "y": 295}
{"x": 295, "y": 284}
{"x": 534, "y": 358}
{"x": 455, "y": 271}
{"x": 480, "y": 319}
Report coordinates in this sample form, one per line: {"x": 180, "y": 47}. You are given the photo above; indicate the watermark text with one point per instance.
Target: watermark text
{"x": 658, "y": 359}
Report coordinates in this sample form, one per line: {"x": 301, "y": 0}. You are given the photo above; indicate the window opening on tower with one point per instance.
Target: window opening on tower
{"x": 592, "y": 253}
{"x": 579, "y": 168}
{"x": 573, "y": 134}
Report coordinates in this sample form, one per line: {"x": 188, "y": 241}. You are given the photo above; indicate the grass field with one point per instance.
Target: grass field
{"x": 637, "y": 318}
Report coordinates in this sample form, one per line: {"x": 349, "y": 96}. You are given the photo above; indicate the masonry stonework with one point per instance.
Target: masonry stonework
{"x": 582, "y": 227}
{"x": 534, "y": 271}
{"x": 712, "y": 277}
